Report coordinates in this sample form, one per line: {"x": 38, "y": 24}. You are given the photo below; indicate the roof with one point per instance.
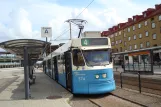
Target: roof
{"x": 139, "y": 50}
{"x": 151, "y": 13}
{"x": 5, "y": 53}
{"x": 35, "y": 47}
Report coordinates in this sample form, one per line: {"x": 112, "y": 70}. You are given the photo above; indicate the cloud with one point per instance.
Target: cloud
{"x": 125, "y": 8}
{"x": 25, "y": 19}
{"x": 21, "y": 24}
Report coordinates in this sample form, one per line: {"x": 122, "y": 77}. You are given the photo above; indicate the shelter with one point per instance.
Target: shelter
{"x": 28, "y": 49}
{"x": 145, "y": 61}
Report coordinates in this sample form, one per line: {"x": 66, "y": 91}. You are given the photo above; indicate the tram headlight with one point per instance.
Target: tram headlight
{"x": 104, "y": 75}
{"x": 97, "y": 76}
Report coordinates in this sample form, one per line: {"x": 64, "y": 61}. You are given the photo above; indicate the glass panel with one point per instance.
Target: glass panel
{"x": 145, "y": 23}
{"x": 146, "y": 33}
{"x": 160, "y": 17}
{"x": 97, "y": 57}
{"x": 153, "y": 25}
{"x": 126, "y": 61}
{"x": 78, "y": 58}
{"x": 136, "y": 63}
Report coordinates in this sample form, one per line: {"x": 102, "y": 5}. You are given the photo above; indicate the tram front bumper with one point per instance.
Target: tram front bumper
{"x": 100, "y": 88}
{"x": 95, "y": 88}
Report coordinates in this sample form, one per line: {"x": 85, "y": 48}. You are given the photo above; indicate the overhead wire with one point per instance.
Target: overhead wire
{"x": 65, "y": 31}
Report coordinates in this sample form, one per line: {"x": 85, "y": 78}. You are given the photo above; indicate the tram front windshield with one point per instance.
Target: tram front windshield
{"x": 97, "y": 57}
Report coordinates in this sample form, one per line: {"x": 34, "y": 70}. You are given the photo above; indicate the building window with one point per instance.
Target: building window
{"x": 120, "y": 33}
{"x": 125, "y": 43}
{"x": 153, "y": 25}
{"x": 147, "y": 44}
{"x": 124, "y": 35}
{"x": 154, "y": 36}
{"x": 146, "y": 33}
{"x": 120, "y": 41}
{"x": 140, "y": 35}
{"x": 144, "y": 14}
{"x": 113, "y": 43}
{"x": 129, "y": 38}
{"x": 130, "y": 47}
{"x": 134, "y": 37}
{"x": 133, "y": 27}
{"x": 141, "y": 45}
{"x": 139, "y": 25}
{"x": 116, "y": 42}
{"x": 146, "y": 23}
{"x": 159, "y": 17}
{"x": 112, "y": 36}
{"x": 115, "y": 34}
{"x": 128, "y": 29}
{"x": 135, "y": 46}
{"x": 134, "y": 19}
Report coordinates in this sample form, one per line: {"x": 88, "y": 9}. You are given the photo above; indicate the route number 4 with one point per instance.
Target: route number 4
{"x": 85, "y": 42}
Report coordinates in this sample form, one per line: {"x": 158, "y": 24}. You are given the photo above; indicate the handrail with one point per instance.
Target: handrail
{"x": 139, "y": 79}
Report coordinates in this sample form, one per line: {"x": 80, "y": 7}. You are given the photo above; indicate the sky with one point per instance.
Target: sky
{"x": 23, "y": 19}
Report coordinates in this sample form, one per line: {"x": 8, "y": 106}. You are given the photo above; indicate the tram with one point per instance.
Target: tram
{"x": 83, "y": 66}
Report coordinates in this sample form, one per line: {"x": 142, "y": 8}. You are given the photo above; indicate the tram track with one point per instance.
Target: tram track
{"x": 112, "y": 100}
{"x": 129, "y": 100}
{"x": 104, "y": 100}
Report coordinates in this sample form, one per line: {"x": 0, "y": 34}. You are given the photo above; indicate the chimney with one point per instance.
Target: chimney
{"x": 157, "y": 6}
{"x": 150, "y": 9}
{"x": 135, "y": 18}
{"x": 129, "y": 19}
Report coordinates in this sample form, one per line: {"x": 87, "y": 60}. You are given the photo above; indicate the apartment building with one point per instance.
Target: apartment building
{"x": 140, "y": 31}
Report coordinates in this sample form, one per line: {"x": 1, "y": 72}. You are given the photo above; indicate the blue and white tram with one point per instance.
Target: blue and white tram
{"x": 83, "y": 66}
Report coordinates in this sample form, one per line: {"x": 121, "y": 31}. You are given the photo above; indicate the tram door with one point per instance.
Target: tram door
{"x": 68, "y": 69}
{"x": 56, "y": 68}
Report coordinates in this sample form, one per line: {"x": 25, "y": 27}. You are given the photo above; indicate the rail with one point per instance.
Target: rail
{"x": 139, "y": 80}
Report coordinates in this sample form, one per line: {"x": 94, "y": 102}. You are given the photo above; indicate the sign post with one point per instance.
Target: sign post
{"x": 47, "y": 33}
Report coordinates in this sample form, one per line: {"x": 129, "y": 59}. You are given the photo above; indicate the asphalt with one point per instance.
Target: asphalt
{"x": 142, "y": 99}
{"x": 44, "y": 93}
{"x": 12, "y": 93}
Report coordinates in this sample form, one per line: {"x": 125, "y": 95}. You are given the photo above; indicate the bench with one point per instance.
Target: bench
{"x": 32, "y": 80}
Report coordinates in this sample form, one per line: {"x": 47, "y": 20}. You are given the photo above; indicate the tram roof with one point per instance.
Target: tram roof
{"x": 35, "y": 47}
{"x": 139, "y": 50}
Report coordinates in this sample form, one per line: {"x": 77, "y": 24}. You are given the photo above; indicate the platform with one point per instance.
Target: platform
{"x": 12, "y": 92}
{"x": 44, "y": 93}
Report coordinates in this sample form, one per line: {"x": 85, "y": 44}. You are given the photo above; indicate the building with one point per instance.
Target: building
{"x": 91, "y": 34}
{"x": 140, "y": 31}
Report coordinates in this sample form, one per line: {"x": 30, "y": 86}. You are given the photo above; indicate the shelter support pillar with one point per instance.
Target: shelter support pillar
{"x": 151, "y": 57}
{"x": 123, "y": 62}
{"x": 26, "y": 73}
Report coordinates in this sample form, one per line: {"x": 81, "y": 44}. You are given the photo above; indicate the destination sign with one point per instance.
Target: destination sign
{"x": 94, "y": 41}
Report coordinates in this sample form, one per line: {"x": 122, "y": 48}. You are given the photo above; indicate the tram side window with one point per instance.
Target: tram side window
{"x": 49, "y": 64}
{"x": 59, "y": 59}
{"x": 62, "y": 58}
{"x": 78, "y": 58}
